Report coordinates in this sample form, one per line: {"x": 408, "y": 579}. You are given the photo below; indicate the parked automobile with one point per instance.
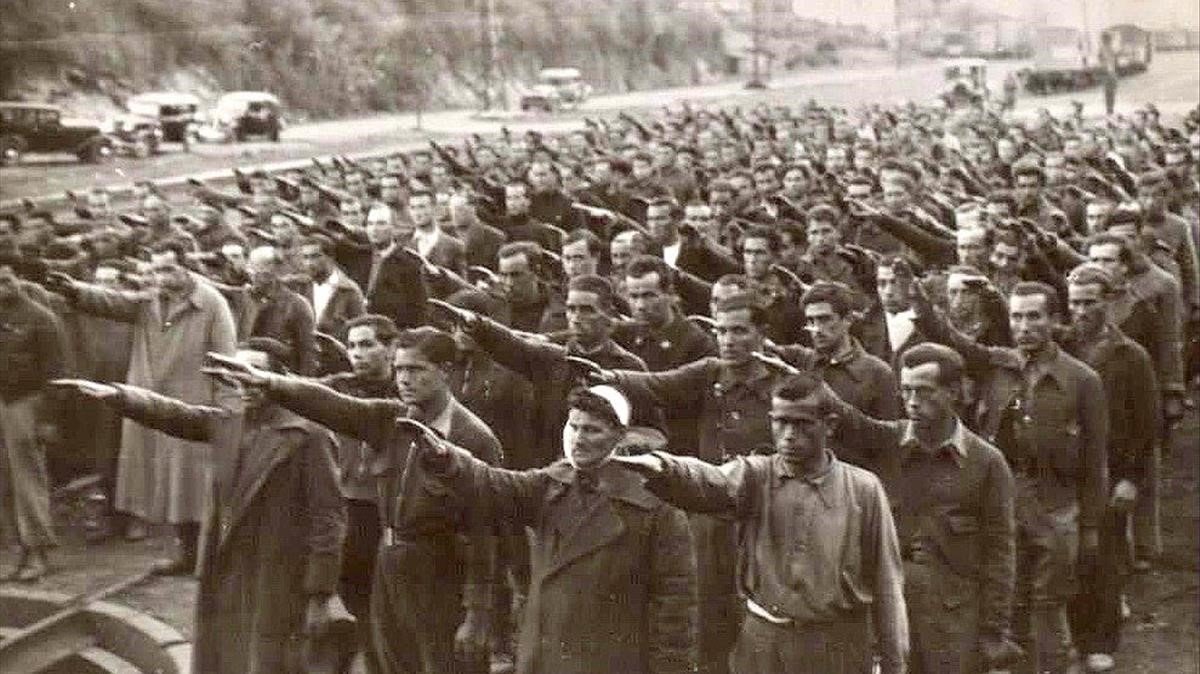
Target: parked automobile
{"x": 37, "y": 128}
{"x": 966, "y": 82}
{"x": 241, "y": 114}
{"x": 134, "y": 135}
{"x": 175, "y": 112}
{"x": 556, "y": 88}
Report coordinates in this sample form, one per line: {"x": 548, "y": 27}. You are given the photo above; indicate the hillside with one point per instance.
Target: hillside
{"x": 329, "y": 58}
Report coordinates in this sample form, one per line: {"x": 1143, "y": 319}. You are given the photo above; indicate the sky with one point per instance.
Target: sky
{"x": 1100, "y": 13}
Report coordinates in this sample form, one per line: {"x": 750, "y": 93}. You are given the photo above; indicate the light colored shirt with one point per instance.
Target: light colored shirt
{"x": 323, "y": 292}
{"x": 671, "y": 253}
{"x": 900, "y": 327}
{"x": 425, "y": 240}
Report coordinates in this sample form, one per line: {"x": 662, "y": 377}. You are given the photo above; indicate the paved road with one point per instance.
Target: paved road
{"x": 1173, "y": 83}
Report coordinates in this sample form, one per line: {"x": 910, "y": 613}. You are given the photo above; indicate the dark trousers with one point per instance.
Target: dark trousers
{"x": 943, "y": 618}
{"x": 1047, "y": 550}
{"x": 1096, "y": 611}
{"x": 714, "y": 542}
{"x": 811, "y": 648}
{"x": 358, "y": 561}
{"x": 416, "y": 607}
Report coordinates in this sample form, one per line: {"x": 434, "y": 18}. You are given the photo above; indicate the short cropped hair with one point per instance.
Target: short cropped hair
{"x": 384, "y": 327}
{"x": 1030, "y": 288}
{"x": 950, "y": 363}
{"x": 591, "y": 283}
{"x": 644, "y": 265}
{"x": 580, "y": 398}
{"x": 837, "y": 295}
{"x": 739, "y": 301}
{"x": 437, "y": 346}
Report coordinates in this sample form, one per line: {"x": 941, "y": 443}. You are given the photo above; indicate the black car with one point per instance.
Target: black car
{"x": 175, "y": 112}
{"x": 135, "y": 135}
{"x": 38, "y": 128}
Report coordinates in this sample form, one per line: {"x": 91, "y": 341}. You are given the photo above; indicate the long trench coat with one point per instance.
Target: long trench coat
{"x": 161, "y": 478}
{"x": 273, "y": 536}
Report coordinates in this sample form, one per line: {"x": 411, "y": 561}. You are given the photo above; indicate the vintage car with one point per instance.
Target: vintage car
{"x": 38, "y": 128}
{"x": 966, "y": 82}
{"x": 240, "y": 114}
{"x": 556, "y": 88}
{"x": 175, "y": 112}
{"x": 133, "y": 135}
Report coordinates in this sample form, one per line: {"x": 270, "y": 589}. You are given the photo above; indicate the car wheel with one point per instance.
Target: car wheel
{"x": 239, "y": 135}
{"x": 10, "y": 150}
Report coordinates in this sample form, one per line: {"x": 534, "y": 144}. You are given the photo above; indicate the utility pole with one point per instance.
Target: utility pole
{"x": 487, "y": 9}
{"x": 896, "y": 27}
{"x": 757, "y": 48}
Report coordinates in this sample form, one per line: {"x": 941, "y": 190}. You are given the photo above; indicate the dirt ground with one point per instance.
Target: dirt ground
{"x": 1162, "y": 636}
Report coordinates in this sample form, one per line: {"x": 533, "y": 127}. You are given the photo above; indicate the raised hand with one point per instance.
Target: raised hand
{"x": 59, "y": 282}
{"x": 463, "y": 317}
{"x": 589, "y": 371}
{"x": 233, "y": 371}
{"x": 89, "y": 388}
{"x": 775, "y": 362}
{"x": 644, "y": 464}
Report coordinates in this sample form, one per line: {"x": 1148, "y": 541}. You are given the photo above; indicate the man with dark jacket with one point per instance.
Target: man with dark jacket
{"x": 432, "y": 594}
{"x": 952, "y": 494}
{"x": 613, "y": 583}
{"x": 267, "y": 308}
{"x": 1134, "y": 421}
{"x": 271, "y": 547}
{"x": 334, "y": 297}
{"x": 32, "y": 352}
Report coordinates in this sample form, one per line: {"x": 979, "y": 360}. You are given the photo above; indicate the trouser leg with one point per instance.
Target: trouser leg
{"x": 1047, "y": 547}
{"x": 188, "y": 534}
{"x": 943, "y": 619}
{"x": 1147, "y": 529}
{"x": 416, "y": 607}
{"x": 24, "y": 481}
{"x": 1095, "y": 612}
{"x": 720, "y": 613}
{"x": 358, "y": 563}
{"x": 836, "y": 648}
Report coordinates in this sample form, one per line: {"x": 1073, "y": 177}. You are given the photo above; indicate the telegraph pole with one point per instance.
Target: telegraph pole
{"x": 757, "y": 48}
{"x": 487, "y": 9}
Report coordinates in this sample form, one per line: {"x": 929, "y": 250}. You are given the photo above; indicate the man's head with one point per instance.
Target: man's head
{"x": 1113, "y": 253}
{"x": 799, "y": 421}
{"x": 264, "y": 354}
{"x": 766, "y": 181}
{"x": 515, "y": 270}
{"x": 1153, "y": 193}
{"x": 828, "y": 316}
{"x": 597, "y": 419}
{"x": 155, "y": 210}
{"x": 1095, "y": 214}
{"x": 699, "y": 216}
{"x": 963, "y": 287}
{"x": 381, "y": 226}
{"x": 740, "y": 325}
{"x": 315, "y": 257}
{"x": 263, "y": 267}
{"x": 660, "y": 221}
{"x": 167, "y": 270}
{"x": 98, "y": 203}
{"x": 516, "y": 197}
{"x": 1032, "y": 314}
{"x": 973, "y": 247}
{"x": 541, "y": 177}
{"x": 356, "y": 184}
{"x": 824, "y": 235}
{"x": 422, "y": 361}
{"x": 589, "y": 308}
{"x": 893, "y": 289}
{"x": 581, "y": 251}
{"x": 350, "y": 212}
{"x": 649, "y": 290}
{"x": 931, "y": 378}
{"x": 760, "y": 250}
{"x": 369, "y": 342}
{"x": 390, "y": 190}
{"x": 1027, "y": 185}
{"x": 968, "y": 216}
{"x": 795, "y": 182}
{"x": 625, "y": 247}
{"x": 420, "y": 209}
{"x": 1089, "y": 288}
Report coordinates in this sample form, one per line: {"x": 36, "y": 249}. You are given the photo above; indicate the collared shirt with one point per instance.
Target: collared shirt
{"x": 671, "y": 252}
{"x": 425, "y": 240}
{"x": 323, "y": 292}
{"x": 900, "y": 326}
{"x": 815, "y": 549}
{"x": 953, "y": 445}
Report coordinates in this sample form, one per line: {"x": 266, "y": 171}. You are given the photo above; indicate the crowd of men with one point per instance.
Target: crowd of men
{"x": 909, "y": 372}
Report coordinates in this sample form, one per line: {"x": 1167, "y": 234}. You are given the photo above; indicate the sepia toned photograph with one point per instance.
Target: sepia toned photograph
{"x": 580, "y": 337}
